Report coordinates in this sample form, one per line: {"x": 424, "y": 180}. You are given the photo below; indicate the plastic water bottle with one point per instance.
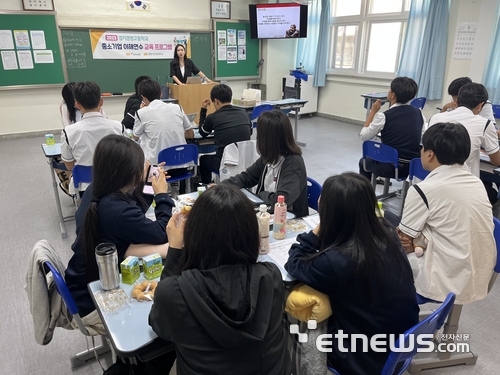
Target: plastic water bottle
{"x": 379, "y": 211}
{"x": 279, "y": 226}
{"x": 264, "y": 220}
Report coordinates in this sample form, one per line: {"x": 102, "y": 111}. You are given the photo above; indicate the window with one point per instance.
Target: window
{"x": 366, "y": 36}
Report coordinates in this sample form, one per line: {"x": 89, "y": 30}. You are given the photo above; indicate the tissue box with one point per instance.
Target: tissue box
{"x": 130, "y": 269}
{"x": 151, "y": 266}
{"x": 244, "y": 102}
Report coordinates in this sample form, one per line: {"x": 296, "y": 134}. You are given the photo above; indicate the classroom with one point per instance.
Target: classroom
{"x": 330, "y": 133}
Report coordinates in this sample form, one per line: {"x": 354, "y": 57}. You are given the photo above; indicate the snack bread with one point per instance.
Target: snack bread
{"x": 144, "y": 291}
{"x": 185, "y": 210}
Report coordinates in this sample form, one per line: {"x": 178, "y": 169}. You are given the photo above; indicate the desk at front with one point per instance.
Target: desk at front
{"x": 190, "y": 97}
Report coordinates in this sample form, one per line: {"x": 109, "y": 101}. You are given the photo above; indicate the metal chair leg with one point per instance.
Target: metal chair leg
{"x": 81, "y": 358}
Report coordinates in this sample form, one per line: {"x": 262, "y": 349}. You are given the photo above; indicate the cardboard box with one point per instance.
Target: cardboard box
{"x": 130, "y": 269}
{"x": 152, "y": 266}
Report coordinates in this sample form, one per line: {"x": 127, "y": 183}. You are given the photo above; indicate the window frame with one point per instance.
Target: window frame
{"x": 364, "y": 21}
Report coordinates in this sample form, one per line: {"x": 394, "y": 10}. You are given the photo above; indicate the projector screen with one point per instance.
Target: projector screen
{"x": 272, "y": 21}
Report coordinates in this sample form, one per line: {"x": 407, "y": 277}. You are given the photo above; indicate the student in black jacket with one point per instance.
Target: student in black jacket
{"x": 221, "y": 308}
{"x": 133, "y": 104}
{"x": 356, "y": 259}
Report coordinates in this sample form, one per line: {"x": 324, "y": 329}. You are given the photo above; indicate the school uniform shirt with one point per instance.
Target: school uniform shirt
{"x": 160, "y": 125}
{"x": 79, "y": 140}
{"x": 456, "y": 219}
{"x": 63, "y": 111}
{"x": 400, "y": 127}
{"x": 482, "y": 133}
{"x": 189, "y": 68}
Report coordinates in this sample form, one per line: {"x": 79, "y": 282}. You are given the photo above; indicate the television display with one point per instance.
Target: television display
{"x": 275, "y": 21}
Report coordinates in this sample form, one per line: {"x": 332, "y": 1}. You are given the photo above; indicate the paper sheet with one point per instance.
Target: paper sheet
{"x": 22, "y": 39}
{"x": 290, "y": 81}
{"x": 44, "y": 57}
{"x": 242, "y": 53}
{"x": 9, "y": 61}
{"x": 38, "y": 39}
{"x": 6, "y": 41}
{"x": 312, "y": 220}
{"x": 279, "y": 250}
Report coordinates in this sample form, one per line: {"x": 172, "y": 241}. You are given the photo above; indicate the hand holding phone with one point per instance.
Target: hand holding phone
{"x": 155, "y": 181}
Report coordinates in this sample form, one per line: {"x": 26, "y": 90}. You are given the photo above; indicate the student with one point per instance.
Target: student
{"x": 450, "y": 209}
{"x": 79, "y": 140}
{"x": 454, "y": 88}
{"x": 113, "y": 210}
{"x": 133, "y": 104}
{"x": 69, "y": 113}
{"x": 229, "y": 125}
{"x": 159, "y": 125}
{"x": 221, "y": 308}
{"x": 280, "y": 170}
{"x": 482, "y": 133}
{"x": 181, "y": 67}
{"x": 400, "y": 127}
{"x": 356, "y": 259}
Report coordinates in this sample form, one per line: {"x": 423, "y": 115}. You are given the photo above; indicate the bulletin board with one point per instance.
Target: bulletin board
{"x": 236, "y": 54}
{"x": 29, "y": 48}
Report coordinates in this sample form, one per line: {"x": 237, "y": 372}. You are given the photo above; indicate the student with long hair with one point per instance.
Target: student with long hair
{"x": 221, "y": 308}
{"x": 181, "y": 67}
{"x": 67, "y": 109}
{"x": 280, "y": 170}
{"x": 113, "y": 210}
{"x": 356, "y": 259}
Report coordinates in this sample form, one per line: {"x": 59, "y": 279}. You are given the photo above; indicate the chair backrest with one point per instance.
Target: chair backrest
{"x": 259, "y": 109}
{"x": 427, "y": 326}
{"x": 380, "y": 152}
{"x": 496, "y": 110}
{"x": 179, "y": 155}
{"x": 63, "y": 290}
{"x": 418, "y": 102}
{"x": 81, "y": 174}
{"x": 313, "y": 193}
{"x": 417, "y": 170}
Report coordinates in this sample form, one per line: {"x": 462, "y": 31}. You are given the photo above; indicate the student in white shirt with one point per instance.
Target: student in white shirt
{"x": 159, "y": 125}
{"x": 451, "y": 209}
{"x": 79, "y": 140}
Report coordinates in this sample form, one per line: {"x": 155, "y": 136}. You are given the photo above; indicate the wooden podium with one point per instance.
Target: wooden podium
{"x": 190, "y": 97}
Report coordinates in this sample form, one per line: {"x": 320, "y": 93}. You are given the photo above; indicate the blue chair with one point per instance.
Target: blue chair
{"x": 81, "y": 174}
{"x": 496, "y": 110}
{"x": 417, "y": 170}
{"x": 418, "y": 103}
{"x": 313, "y": 193}
{"x": 258, "y": 110}
{"x": 427, "y": 326}
{"x": 181, "y": 155}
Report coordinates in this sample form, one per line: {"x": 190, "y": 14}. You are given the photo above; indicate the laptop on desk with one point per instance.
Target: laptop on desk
{"x": 193, "y": 80}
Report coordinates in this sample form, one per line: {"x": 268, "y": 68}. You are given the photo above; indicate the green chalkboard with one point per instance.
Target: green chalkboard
{"x": 38, "y": 73}
{"x": 229, "y": 68}
{"x": 119, "y": 75}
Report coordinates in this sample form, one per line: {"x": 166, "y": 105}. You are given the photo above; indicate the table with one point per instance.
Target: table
{"x": 372, "y": 98}
{"x": 205, "y": 145}
{"x": 53, "y": 153}
{"x": 282, "y": 104}
{"x": 488, "y": 172}
{"x": 169, "y": 100}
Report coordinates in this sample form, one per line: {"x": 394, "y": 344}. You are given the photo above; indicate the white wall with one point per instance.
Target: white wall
{"x": 36, "y": 110}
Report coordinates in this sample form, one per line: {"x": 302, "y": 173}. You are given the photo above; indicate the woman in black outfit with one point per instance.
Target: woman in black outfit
{"x": 181, "y": 67}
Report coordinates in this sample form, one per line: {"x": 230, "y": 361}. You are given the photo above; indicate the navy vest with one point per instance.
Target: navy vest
{"x": 403, "y": 130}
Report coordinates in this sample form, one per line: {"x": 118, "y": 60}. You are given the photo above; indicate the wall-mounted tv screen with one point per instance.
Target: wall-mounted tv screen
{"x": 274, "y": 21}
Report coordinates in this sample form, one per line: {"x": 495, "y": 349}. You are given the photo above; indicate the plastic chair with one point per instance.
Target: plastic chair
{"x": 496, "y": 110}
{"x": 81, "y": 174}
{"x": 181, "y": 155}
{"x": 417, "y": 170}
{"x": 313, "y": 193}
{"x": 80, "y": 358}
{"x": 451, "y": 327}
{"x": 427, "y": 326}
{"x": 258, "y": 110}
{"x": 418, "y": 103}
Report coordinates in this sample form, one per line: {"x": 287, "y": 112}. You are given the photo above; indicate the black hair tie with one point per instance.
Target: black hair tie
{"x": 94, "y": 200}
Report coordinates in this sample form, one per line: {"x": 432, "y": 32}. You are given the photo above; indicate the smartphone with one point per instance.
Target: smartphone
{"x": 153, "y": 171}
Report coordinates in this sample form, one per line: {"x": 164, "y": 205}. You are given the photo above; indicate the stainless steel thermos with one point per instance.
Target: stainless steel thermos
{"x": 107, "y": 261}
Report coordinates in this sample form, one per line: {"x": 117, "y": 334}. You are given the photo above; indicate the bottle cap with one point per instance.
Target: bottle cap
{"x": 281, "y": 198}
{"x": 263, "y": 208}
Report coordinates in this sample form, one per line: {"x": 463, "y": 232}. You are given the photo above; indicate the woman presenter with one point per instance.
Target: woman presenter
{"x": 181, "y": 67}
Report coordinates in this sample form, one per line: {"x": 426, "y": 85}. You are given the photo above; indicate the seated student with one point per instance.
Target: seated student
{"x": 482, "y": 133}
{"x": 450, "y": 209}
{"x": 113, "y": 210}
{"x": 79, "y": 140}
{"x": 356, "y": 259}
{"x": 400, "y": 127}
{"x": 133, "y": 104}
{"x": 228, "y": 123}
{"x": 221, "y": 308}
{"x": 280, "y": 170}
{"x": 454, "y": 88}
{"x": 69, "y": 113}
{"x": 160, "y": 125}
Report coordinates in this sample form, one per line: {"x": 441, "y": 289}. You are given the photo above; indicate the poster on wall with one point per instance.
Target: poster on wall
{"x": 126, "y": 45}
{"x": 242, "y": 37}
{"x": 221, "y": 37}
{"x": 231, "y": 37}
{"x": 22, "y": 39}
{"x": 9, "y": 61}
{"x": 221, "y": 53}
{"x": 25, "y": 60}
{"x": 464, "y": 41}
{"x": 6, "y": 41}
{"x": 38, "y": 39}
{"x": 232, "y": 55}
{"x": 141, "y": 6}
{"x": 242, "y": 52}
